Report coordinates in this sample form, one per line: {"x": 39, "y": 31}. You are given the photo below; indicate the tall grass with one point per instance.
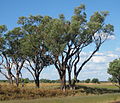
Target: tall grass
{"x": 8, "y": 92}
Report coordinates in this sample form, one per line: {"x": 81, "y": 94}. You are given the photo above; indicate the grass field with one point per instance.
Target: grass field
{"x": 101, "y": 85}
{"x": 57, "y": 85}
{"x": 106, "y": 98}
{"x": 50, "y": 93}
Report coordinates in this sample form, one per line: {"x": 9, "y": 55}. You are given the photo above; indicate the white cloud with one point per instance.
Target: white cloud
{"x": 98, "y": 59}
{"x": 111, "y": 37}
{"x": 99, "y": 54}
{"x": 118, "y": 49}
{"x": 97, "y": 66}
{"x": 104, "y": 36}
{"x": 112, "y": 55}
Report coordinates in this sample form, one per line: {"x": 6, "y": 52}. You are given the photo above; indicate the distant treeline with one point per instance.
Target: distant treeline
{"x": 27, "y": 80}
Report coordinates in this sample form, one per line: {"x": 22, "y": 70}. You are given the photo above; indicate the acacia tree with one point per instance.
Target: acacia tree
{"x": 5, "y": 65}
{"x": 99, "y": 33}
{"x": 37, "y": 57}
{"x": 13, "y": 53}
{"x": 98, "y": 39}
{"x": 66, "y": 39}
{"x": 114, "y": 71}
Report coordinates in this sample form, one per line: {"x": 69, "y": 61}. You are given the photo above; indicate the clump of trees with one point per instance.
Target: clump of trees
{"x": 114, "y": 71}
{"x": 94, "y": 80}
{"x": 49, "y": 81}
{"x": 87, "y": 81}
{"x": 41, "y": 41}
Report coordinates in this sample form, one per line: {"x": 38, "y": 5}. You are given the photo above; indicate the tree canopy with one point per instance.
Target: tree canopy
{"x": 114, "y": 71}
{"x": 40, "y": 41}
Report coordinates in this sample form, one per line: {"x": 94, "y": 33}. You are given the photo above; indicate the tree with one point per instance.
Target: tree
{"x": 95, "y": 80}
{"x": 36, "y": 52}
{"x": 25, "y": 80}
{"x": 66, "y": 39}
{"x": 114, "y": 71}
{"x": 14, "y": 58}
{"x": 4, "y": 61}
{"x": 5, "y": 65}
{"x": 87, "y": 81}
{"x": 96, "y": 33}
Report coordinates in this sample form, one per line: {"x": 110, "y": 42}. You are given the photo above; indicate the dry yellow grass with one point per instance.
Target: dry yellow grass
{"x": 95, "y": 84}
{"x": 44, "y": 85}
{"x": 51, "y": 90}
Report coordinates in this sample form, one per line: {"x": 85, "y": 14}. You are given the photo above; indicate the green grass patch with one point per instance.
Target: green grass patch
{"x": 103, "y": 86}
{"x": 106, "y": 98}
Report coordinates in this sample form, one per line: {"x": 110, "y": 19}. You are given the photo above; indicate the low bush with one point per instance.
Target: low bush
{"x": 8, "y": 92}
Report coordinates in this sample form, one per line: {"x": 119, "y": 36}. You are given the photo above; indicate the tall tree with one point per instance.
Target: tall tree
{"x": 66, "y": 39}
{"x": 13, "y": 53}
{"x": 3, "y": 29}
{"x": 33, "y": 45}
{"x": 99, "y": 32}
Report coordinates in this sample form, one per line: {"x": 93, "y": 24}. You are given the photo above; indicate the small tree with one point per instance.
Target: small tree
{"x": 114, "y": 70}
{"x": 95, "y": 80}
{"x": 87, "y": 81}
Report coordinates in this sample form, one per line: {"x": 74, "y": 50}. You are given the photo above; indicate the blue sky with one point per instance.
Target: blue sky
{"x": 12, "y": 9}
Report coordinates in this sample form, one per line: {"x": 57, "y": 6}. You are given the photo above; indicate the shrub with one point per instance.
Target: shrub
{"x": 95, "y": 80}
{"x": 87, "y": 81}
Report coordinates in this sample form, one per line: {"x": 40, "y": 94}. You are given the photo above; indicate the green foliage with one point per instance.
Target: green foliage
{"x": 3, "y": 29}
{"x": 49, "y": 81}
{"x": 13, "y": 44}
{"x": 24, "y": 80}
{"x": 55, "y": 36}
{"x": 33, "y": 41}
{"x": 95, "y": 80}
{"x": 113, "y": 79}
{"x": 114, "y": 68}
{"x": 114, "y": 71}
{"x": 106, "y": 98}
{"x": 87, "y": 81}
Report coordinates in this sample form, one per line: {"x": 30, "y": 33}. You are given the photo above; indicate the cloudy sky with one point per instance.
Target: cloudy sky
{"x": 97, "y": 67}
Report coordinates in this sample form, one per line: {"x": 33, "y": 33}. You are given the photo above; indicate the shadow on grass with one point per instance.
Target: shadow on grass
{"x": 92, "y": 90}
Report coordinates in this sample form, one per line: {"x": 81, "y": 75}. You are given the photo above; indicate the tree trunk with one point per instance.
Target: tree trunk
{"x": 119, "y": 83}
{"x": 63, "y": 80}
{"x": 10, "y": 76}
{"x": 17, "y": 79}
{"x": 10, "y": 80}
{"x": 74, "y": 81}
{"x": 37, "y": 83}
{"x": 69, "y": 79}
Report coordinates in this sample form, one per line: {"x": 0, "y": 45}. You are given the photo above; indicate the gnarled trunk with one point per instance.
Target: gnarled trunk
{"x": 74, "y": 81}
{"x": 37, "y": 82}
{"x": 63, "y": 80}
{"x": 69, "y": 79}
{"x": 17, "y": 79}
{"x": 10, "y": 79}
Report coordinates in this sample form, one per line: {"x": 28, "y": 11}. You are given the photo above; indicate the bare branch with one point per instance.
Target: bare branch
{"x": 30, "y": 72}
